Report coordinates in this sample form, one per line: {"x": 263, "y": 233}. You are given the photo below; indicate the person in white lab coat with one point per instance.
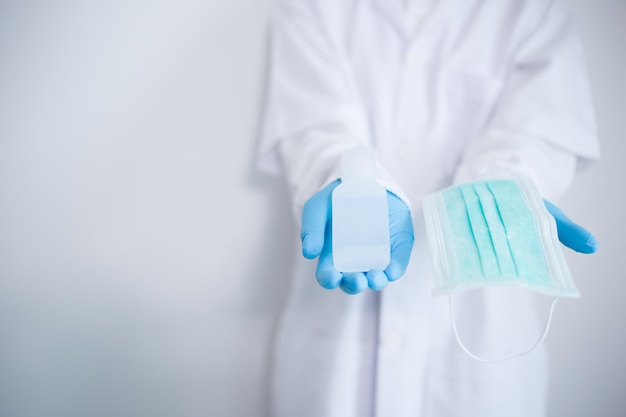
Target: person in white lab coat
{"x": 443, "y": 92}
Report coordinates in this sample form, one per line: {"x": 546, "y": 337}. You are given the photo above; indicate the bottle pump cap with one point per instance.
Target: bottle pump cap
{"x": 358, "y": 163}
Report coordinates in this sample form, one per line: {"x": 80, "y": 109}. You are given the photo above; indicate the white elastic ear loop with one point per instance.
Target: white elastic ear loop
{"x": 506, "y": 358}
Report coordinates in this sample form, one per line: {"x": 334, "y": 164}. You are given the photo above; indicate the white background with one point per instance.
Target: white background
{"x": 143, "y": 260}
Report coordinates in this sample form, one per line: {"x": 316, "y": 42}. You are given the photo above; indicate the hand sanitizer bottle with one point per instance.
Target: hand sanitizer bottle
{"x": 360, "y": 222}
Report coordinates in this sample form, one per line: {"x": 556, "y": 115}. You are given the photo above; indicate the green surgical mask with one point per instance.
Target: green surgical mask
{"x": 497, "y": 232}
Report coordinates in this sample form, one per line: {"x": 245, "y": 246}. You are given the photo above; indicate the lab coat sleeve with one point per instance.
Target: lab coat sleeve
{"x": 543, "y": 126}
{"x": 313, "y": 112}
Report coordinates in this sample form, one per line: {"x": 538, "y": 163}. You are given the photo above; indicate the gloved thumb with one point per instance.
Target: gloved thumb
{"x": 571, "y": 234}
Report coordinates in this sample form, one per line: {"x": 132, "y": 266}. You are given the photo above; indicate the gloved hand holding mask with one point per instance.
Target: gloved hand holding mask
{"x": 500, "y": 232}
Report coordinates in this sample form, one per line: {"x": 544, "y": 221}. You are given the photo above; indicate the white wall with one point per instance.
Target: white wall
{"x": 587, "y": 341}
{"x": 142, "y": 259}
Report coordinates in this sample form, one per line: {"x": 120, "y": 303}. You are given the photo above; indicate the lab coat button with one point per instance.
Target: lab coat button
{"x": 412, "y": 60}
{"x": 408, "y": 152}
{"x": 391, "y": 341}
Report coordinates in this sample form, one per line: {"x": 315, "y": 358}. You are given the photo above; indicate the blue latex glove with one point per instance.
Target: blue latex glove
{"x": 316, "y": 241}
{"x": 571, "y": 234}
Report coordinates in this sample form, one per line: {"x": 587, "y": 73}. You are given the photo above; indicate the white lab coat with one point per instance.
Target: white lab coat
{"x": 446, "y": 91}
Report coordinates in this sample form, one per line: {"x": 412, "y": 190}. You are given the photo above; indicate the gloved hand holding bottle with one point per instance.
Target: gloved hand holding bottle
{"x": 362, "y": 233}
{"x": 316, "y": 235}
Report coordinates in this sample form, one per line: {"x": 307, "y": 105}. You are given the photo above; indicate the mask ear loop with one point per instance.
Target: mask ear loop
{"x": 506, "y": 358}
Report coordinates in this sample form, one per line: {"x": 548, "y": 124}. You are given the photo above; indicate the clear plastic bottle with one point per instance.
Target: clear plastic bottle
{"x": 360, "y": 222}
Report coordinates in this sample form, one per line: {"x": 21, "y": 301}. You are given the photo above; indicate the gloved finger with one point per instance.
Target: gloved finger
{"x": 376, "y": 279}
{"x": 353, "y": 282}
{"x": 326, "y": 274}
{"x": 315, "y": 215}
{"x": 571, "y": 234}
{"x": 401, "y": 237}
{"x": 401, "y": 248}
{"x": 328, "y": 278}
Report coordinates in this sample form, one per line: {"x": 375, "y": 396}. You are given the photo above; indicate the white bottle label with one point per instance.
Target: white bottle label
{"x": 360, "y": 223}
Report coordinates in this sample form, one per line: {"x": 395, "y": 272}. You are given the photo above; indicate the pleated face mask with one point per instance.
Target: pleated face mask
{"x": 491, "y": 233}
